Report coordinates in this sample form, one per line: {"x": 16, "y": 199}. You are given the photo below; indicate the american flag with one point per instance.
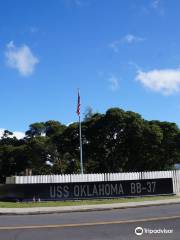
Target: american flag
{"x": 78, "y": 104}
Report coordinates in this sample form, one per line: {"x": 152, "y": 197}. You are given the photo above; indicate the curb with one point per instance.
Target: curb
{"x": 85, "y": 208}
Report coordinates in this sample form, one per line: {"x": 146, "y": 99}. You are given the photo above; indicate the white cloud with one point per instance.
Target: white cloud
{"x": 113, "y": 83}
{"x": 19, "y": 135}
{"x": 21, "y": 58}
{"x": 16, "y": 134}
{"x": 69, "y": 123}
{"x": 155, "y": 4}
{"x": 165, "y": 81}
{"x": 1, "y": 132}
{"x": 158, "y": 6}
{"x": 127, "y": 39}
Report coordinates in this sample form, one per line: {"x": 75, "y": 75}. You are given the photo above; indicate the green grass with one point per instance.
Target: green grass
{"x": 81, "y": 202}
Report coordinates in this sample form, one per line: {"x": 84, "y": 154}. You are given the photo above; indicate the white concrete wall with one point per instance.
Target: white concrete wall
{"x": 174, "y": 174}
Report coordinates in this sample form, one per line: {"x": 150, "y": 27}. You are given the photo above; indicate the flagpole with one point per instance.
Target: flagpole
{"x": 80, "y": 140}
{"x": 80, "y": 137}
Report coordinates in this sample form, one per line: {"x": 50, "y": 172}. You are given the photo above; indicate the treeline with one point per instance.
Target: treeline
{"x": 112, "y": 142}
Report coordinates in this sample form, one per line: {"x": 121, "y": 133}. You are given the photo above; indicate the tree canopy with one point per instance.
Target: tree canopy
{"x": 116, "y": 141}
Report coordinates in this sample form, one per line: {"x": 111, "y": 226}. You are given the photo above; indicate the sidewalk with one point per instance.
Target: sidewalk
{"x": 84, "y": 208}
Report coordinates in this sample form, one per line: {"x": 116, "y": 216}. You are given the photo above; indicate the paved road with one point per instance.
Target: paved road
{"x": 106, "y": 225}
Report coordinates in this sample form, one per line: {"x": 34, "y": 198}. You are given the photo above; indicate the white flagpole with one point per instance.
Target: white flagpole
{"x": 80, "y": 137}
{"x": 80, "y": 140}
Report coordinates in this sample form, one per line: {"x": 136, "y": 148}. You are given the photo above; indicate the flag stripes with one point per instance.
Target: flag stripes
{"x": 78, "y": 104}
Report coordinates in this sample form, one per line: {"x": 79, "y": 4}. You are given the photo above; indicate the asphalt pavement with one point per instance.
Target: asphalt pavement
{"x": 155, "y": 222}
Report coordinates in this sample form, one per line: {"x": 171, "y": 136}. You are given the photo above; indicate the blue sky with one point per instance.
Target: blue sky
{"x": 119, "y": 53}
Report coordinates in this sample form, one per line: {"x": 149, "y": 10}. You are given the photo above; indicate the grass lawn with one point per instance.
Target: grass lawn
{"x": 81, "y": 202}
